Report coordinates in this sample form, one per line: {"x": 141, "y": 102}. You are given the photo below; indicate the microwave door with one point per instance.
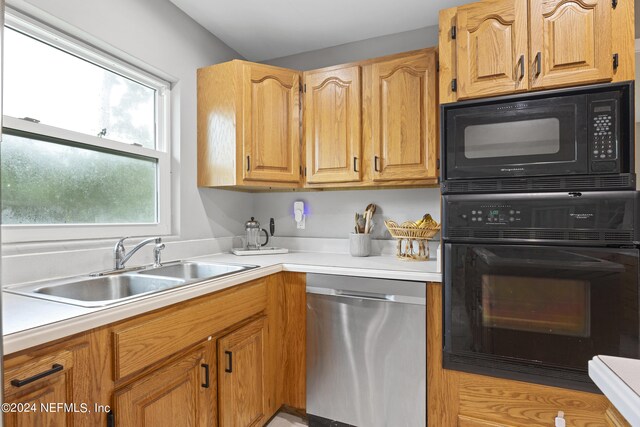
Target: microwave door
{"x": 541, "y": 137}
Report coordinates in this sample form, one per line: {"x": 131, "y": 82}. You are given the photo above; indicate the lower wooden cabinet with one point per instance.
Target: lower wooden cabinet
{"x": 241, "y": 363}
{"x": 182, "y": 393}
{"x": 169, "y": 368}
{"x": 36, "y": 390}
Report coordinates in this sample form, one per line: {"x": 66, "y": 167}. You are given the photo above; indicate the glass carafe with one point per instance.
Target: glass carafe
{"x": 253, "y": 230}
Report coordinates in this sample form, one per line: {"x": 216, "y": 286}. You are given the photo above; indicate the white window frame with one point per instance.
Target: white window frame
{"x": 18, "y": 233}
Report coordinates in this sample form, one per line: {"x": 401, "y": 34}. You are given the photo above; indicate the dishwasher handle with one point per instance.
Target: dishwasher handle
{"x": 371, "y": 296}
{"x": 362, "y": 295}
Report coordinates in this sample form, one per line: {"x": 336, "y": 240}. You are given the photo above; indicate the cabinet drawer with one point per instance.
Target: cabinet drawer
{"x": 37, "y": 372}
{"x": 146, "y": 341}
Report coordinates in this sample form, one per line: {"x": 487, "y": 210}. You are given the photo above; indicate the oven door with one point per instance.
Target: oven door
{"x": 539, "y": 313}
{"x": 518, "y": 138}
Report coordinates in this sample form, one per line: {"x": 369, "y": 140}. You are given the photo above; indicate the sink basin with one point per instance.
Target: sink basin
{"x": 117, "y": 287}
{"x": 99, "y": 291}
{"x": 191, "y": 271}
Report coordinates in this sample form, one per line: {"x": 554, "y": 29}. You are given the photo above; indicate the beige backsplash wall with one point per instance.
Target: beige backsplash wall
{"x": 331, "y": 213}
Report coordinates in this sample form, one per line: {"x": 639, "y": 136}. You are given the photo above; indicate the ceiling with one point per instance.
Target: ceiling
{"x": 260, "y": 30}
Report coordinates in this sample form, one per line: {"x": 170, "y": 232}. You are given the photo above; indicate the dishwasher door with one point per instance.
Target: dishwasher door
{"x": 366, "y": 351}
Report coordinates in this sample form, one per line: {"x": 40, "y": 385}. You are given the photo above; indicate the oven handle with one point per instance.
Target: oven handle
{"x": 370, "y": 296}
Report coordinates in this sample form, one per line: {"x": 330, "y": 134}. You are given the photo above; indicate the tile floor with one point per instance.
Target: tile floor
{"x": 286, "y": 420}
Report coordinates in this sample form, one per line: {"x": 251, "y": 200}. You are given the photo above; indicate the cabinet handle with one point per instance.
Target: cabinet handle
{"x": 54, "y": 368}
{"x": 230, "y": 361}
{"x": 206, "y": 375}
{"x": 248, "y": 163}
{"x": 538, "y": 64}
{"x": 355, "y": 164}
{"x": 521, "y": 65}
{"x": 375, "y": 164}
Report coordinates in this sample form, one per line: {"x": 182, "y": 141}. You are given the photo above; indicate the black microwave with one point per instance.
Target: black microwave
{"x": 578, "y": 138}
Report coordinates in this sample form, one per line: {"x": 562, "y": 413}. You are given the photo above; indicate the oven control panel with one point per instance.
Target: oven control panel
{"x": 606, "y": 216}
{"x": 491, "y": 214}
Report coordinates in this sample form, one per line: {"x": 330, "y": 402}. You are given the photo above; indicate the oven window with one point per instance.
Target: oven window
{"x": 508, "y": 139}
{"x": 534, "y": 304}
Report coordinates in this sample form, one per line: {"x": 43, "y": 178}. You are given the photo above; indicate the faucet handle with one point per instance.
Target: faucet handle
{"x": 120, "y": 243}
{"x": 118, "y": 254}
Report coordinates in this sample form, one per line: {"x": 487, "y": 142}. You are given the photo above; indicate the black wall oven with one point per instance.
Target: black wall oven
{"x": 580, "y": 138}
{"x": 536, "y": 285}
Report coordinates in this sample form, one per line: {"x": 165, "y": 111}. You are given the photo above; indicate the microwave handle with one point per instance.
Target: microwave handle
{"x": 538, "y": 62}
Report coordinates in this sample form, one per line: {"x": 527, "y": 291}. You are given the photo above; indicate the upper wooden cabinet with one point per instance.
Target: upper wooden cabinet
{"x": 570, "y": 42}
{"x": 491, "y": 48}
{"x": 372, "y": 123}
{"x": 248, "y": 126}
{"x": 271, "y": 128}
{"x": 403, "y": 117}
{"x": 496, "y": 47}
{"x": 332, "y": 121}
{"x": 366, "y": 124}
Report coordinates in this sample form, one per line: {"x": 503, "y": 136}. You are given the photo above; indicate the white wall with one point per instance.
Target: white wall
{"x": 331, "y": 213}
{"x": 157, "y": 33}
{"x": 364, "y": 49}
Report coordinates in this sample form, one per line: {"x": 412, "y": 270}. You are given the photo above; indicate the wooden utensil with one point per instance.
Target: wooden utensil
{"x": 368, "y": 213}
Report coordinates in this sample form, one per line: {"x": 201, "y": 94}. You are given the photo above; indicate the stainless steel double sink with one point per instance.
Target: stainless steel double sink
{"x": 115, "y": 287}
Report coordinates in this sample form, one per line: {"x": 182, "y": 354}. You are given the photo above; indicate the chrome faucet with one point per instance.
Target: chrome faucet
{"x": 120, "y": 256}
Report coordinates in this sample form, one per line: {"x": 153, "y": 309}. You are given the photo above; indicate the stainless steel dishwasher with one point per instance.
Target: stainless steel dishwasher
{"x": 366, "y": 352}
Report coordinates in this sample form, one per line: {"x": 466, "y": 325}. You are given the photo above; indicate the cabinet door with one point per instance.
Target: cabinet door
{"x": 271, "y": 117}
{"x": 179, "y": 394}
{"x": 332, "y": 117}
{"x": 241, "y": 376}
{"x": 404, "y": 118}
{"x": 491, "y": 48}
{"x": 570, "y": 42}
{"x": 40, "y": 398}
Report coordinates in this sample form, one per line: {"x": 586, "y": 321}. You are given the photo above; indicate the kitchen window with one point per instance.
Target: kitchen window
{"x": 85, "y": 150}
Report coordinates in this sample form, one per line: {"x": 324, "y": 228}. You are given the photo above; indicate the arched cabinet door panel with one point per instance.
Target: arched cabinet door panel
{"x": 491, "y": 48}
{"x": 271, "y": 117}
{"x": 570, "y": 42}
{"x": 332, "y": 121}
{"x": 404, "y": 118}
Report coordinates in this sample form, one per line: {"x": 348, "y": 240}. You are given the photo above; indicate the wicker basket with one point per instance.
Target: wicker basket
{"x": 413, "y": 241}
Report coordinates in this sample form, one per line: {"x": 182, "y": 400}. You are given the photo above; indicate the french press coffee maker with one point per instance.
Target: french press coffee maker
{"x": 252, "y": 227}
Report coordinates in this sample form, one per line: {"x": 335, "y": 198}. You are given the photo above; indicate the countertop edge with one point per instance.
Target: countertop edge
{"x": 364, "y": 272}
{"x": 625, "y": 400}
{"x": 50, "y": 332}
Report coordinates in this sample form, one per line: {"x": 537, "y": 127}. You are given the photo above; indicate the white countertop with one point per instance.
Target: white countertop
{"x": 28, "y": 322}
{"x": 619, "y": 380}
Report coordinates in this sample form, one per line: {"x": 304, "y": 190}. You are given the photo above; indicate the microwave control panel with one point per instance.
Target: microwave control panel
{"x": 602, "y": 132}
